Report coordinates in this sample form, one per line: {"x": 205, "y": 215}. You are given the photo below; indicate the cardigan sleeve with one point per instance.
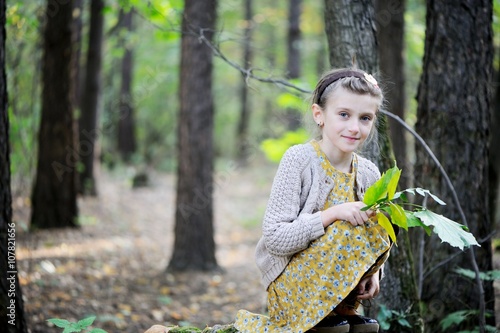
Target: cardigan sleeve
{"x": 287, "y": 227}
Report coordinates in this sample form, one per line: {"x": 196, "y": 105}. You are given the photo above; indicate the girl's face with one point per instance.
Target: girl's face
{"x": 347, "y": 120}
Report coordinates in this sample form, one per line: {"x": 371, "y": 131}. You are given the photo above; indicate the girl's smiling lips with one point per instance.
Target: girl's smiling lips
{"x": 350, "y": 138}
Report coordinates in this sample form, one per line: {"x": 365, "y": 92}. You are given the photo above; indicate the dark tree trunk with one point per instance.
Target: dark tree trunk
{"x": 293, "y": 116}
{"x": 194, "y": 247}
{"x": 389, "y": 19}
{"x": 54, "y": 195}
{"x": 91, "y": 97}
{"x": 242, "y": 134}
{"x": 11, "y": 300}
{"x": 352, "y": 41}
{"x": 453, "y": 118}
{"x": 494, "y": 157}
{"x": 78, "y": 26}
{"x": 294, "y": 38}
{"x": 126, "y": 124}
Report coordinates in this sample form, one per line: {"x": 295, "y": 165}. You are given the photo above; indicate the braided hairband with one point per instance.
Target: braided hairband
{"x": 342, "y": 74}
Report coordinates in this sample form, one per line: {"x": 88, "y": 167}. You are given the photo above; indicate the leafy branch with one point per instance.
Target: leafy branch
{"x": 384, "y": 200}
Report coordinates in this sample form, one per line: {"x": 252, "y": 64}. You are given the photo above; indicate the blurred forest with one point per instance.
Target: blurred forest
{"x": 114, "y": 259}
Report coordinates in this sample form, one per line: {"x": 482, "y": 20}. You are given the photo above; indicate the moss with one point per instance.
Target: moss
{"x": 215, "y": 329}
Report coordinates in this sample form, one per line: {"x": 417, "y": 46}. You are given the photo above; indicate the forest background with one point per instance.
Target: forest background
{"x": 152, "y": 47}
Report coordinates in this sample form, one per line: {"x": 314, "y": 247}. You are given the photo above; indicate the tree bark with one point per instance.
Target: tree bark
{"x": 91, "y": 97}
{"x": 453, "y": 118}
{"x": 126, "y": 124}
{"x": 350, "y": 30}
{"x": 243, "y": 124}
{"x": 293, "y": 116}
{"x": 194, "y": 247}
{"x": 78, "y": 26}
{"x": 11, "y": 300}
{"x": 389, "y": 19}
{"x": 294, "y": 38}
{"x": 494, "y": 157}
{"x": 54, "y": 195}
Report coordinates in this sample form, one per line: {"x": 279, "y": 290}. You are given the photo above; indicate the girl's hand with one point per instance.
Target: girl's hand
{"x": 369, "y": 287}
{"x": 349, "y": 211}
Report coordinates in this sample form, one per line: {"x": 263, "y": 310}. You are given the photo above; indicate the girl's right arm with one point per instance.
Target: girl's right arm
{"x": 349, "y": 211}
{"x": 287, "y": 229}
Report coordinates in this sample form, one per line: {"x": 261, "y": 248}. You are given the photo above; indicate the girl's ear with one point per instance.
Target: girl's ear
{"x": 317, "y": 112}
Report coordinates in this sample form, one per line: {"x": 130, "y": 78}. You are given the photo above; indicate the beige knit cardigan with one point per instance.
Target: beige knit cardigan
{"x": 292, "y": 218}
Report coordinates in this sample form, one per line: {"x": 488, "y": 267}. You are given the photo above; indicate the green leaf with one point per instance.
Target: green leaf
{"x": 398, "y": 215}
{"x": 71, "y": 328}
{"x": 447, "y": 230}
{"x": 393, "y": 182}
{"x": 384, "y": 222}
{"x": 423, "y": 192}
{"x": 62, "y": 323}
{"x": 97, "y": 330}
{"x": 414, "y": 221}
{"x": 455, "y": 318}
{"x": 378, "y": 190}
{"x": 485, "y": 276}
{"x": 84, "y": 323}
{"x": 403, "y": 322}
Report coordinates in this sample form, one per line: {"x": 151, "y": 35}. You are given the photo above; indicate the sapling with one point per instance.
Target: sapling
{"x": 79, "y": 326}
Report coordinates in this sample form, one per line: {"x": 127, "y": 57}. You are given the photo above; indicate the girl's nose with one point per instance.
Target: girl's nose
{"x": 354, "y": 126}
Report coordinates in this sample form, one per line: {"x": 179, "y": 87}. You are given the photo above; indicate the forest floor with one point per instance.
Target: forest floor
{"x": 114, "y": 266}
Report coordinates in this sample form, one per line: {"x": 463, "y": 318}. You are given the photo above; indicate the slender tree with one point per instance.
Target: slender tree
{"x": 126, "y": 124}
{"x": 352, "y": 41}
{"x": 389, "y": 19}
{"x": 453, "y": 117}
{"x": 54, "y": 195}
{"x": 243, "y": 124}
{"x": 194, "y": 247}
{"x": 91, "y": 97}
{"x": 11, "y": 300}
{"x": 293, "y": 65}
{"x": 494, "y": 156}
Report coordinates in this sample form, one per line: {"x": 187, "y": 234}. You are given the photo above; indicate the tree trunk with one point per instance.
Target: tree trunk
{"x": 78, "y": 26}
{"x": 352, "y": 42}
{"x": 453, "y": 118}
{"x": 349, "y": 26}
{"x": 494, "y": 157}
{"x": 194, "y": 247}
{"x": 91, "y": 96}
{"x": 242, "y": 134}
{"x": 293, "y": 116}
{"x": 126, "y": 124}
{"x": 389, "y": 19}
{"x": 294, "y": 38}
{"x": 11, "y": 300}
{"x": 54, "y": 195}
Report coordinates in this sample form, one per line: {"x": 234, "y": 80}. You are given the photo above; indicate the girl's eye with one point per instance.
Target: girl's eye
{"x": 343, "y": 114}
{"x": 366, "y": 118}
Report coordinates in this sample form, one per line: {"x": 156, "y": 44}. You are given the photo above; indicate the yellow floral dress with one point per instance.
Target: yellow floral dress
{"x": 318, "y": 278}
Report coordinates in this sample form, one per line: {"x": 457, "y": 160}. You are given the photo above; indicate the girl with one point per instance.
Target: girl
{"x": 320, "y": 255}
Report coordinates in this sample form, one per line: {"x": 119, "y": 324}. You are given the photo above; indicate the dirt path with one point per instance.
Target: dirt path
{"x": 114, "y": 267}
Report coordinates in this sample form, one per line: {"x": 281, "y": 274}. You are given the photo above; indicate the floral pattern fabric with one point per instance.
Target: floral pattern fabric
{"x": 318, "y": 278}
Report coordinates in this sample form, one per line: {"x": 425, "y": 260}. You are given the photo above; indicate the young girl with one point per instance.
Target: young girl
{"x": 320, "y": 255}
